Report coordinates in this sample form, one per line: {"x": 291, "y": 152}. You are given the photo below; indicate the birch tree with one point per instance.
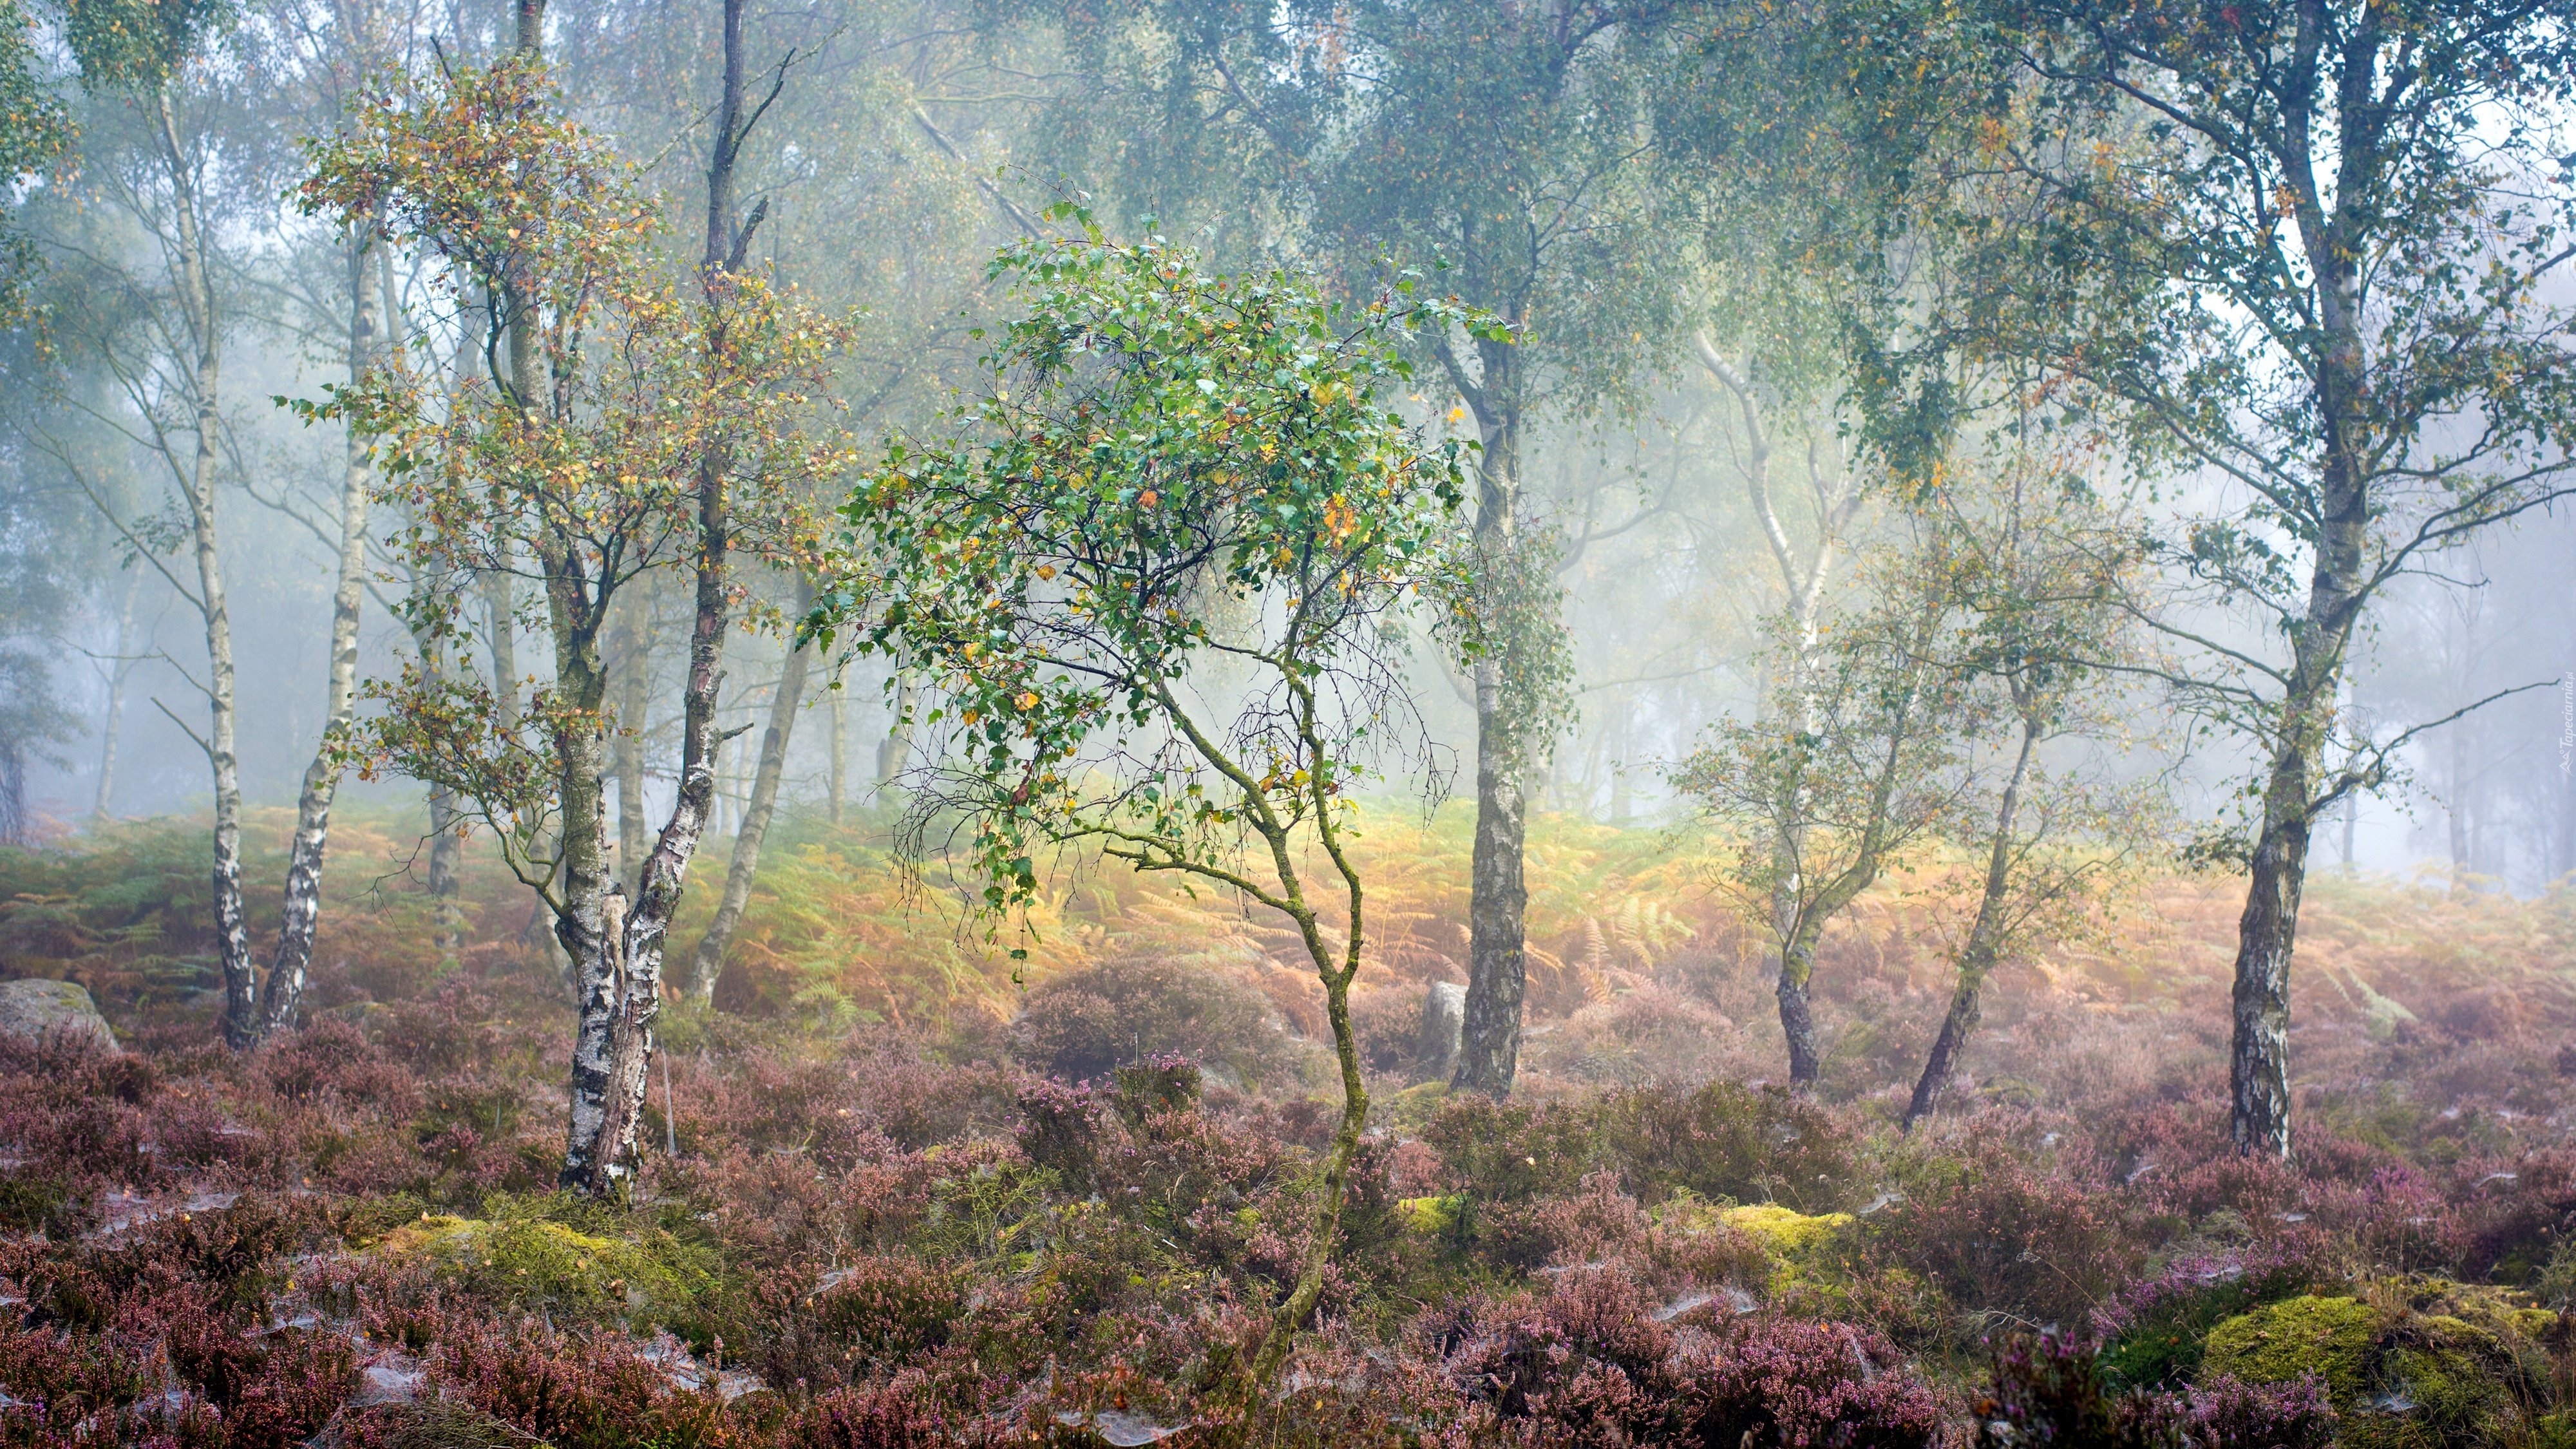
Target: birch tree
{"x": 161, "y": 339}
{"x": 2310, "y": 256}
{"x": 1821, "y": 801}
{"x": 644, "y": 420}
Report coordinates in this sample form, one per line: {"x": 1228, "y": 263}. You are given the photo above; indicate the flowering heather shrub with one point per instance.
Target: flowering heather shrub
{"x": 904, "y": 1411}
{"x": 2400, "y": 1220}
{"x": 273, "y": 1387}
{"x": 1794, "y": 1384}
{"x": 1060, "y": 1127}
{"x": 1586, "y": 1358}
{"x": 330, "y": 1062}
{"x": 1996, "y": 1234}
{"x": 1510, "y": 1151}
{"x": 915, "y": 1239}
{"x": 2226, "y": 1414}
{"x": 1163, "y": 1082}
{"x": 1597, "y": 1223}
{"x": 1729, "y": 1141}
{"x": 1086, "y": 1023}
{"x": 853, "y": 1323}
{"x": 2050, "y": 1390}
{"x": 61, "y": 1379}
{"x": 573, "y": 1391}
{"x": 918, "y": 1101}
{"x": 458, "y": 1028}
{"x": 2512, "y": 1213}
{"x": 2174, "y": 1160}
{"x": 2153, "y": 1328}
{"x": 1594, "y": 1361}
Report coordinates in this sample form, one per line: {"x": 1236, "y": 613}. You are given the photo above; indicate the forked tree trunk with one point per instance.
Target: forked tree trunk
{"x": 2267, "y": 932}
{"x": 1984, "y": 944}
{"x": 708, "y": 964}
{"x": 303, "y": 905}
{"x": 197, "y": 302}
{"x": 622, "y": 982}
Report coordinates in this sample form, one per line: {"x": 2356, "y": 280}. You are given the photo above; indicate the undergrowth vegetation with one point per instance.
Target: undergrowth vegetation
{"x": 896, "y": 1197}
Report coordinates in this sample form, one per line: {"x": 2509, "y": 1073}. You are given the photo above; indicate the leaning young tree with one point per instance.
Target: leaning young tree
{"x": 2035, "y": 581}
{"x": 1824, "y": 801}
{"x": 1152, "y": 593}
{"x": 644, "y": 421}
{"x": 2314, "y": 253}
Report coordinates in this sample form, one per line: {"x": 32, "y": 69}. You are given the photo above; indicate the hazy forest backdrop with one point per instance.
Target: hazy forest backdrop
{"x": 1591, "y": 722}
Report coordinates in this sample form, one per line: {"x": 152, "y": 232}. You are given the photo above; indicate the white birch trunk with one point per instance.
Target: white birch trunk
{"x": 302, "y": 909}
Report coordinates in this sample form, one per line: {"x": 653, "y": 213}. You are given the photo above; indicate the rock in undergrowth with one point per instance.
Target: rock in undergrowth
{"x": 52, "y": 1011}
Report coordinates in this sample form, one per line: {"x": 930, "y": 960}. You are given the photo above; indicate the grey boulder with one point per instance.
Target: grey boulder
{"x": 52, "y": 1010}
{"x": 1444, "y": 1025}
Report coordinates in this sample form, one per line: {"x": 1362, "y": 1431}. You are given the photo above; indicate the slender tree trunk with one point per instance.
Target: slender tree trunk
{"x": 1489, "y": 1048}
{"x": 447, "y": 922}
{"x": 196, "y": 292}
{"x": 120, "y": 670}
{"x": 1619, "y": 789}
{"x": 1803, "y": 583}
{"x": 500, "y": 632}
{"x": 634, "y": 669}
{"x": 709, "y": 962}
{"x": 839, "y": 786}
{"x": 1797, "y": 1014}
{"x": 302, "y": 909}
{"x": 896, "y": 747}
{"x": 1335, "y": 976}
{"x": 581, "y": 919}
{"x": 2259, "y": 1059}
{"x": 2267, "y": 932}
{"x": 622, "y": 988}
{"x": 1984, "y": 944}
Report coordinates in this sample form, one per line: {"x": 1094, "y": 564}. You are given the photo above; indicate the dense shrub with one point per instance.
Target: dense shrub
{"x": 1086, "y": 1023}
{"x": 1783, "y": 1382}
{"x": 1998, "y": 1234}
{"x": 1727, "y": 1141}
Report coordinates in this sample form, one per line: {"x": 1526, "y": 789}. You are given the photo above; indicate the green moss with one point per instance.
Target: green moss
{"x": 1431, "y": 1217}
{"x": 2411, "y": 1363}
{"x": 1783, "y": 1230}
{"x": 522, "y": 1257}
{"x": 2277, "y": 1343}
{"x": 1407, "y": 1112}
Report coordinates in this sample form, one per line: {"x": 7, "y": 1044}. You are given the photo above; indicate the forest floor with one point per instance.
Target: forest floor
{"x": 892, "y": 1195}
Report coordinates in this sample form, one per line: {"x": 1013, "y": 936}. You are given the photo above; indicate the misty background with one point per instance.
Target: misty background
{"x": 908, "y": 142}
